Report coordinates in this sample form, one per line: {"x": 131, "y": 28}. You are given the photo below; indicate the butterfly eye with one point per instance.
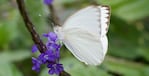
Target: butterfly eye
{"x": 55, "y": 29}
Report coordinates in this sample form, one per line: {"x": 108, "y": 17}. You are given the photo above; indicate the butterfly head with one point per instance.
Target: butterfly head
{"x": 59, "y": 32}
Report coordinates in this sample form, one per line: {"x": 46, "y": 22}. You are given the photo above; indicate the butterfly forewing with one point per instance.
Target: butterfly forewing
{"x": 84, "y": 34}
{"x": 87, "y": 19}
{"x": 105, "y": 20}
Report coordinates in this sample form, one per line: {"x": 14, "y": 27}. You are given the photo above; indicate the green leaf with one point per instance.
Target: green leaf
{"x": 7, "y": 69}
{"x": 8, "y": 28}
{"x": 123, "y": 38}
{"x": 129, "y": 10}
{"x": 14, "y": 56}
{"x": 125, "y": 67}
{"x": 143, "y": 51}
{"x": 76, "y": 68}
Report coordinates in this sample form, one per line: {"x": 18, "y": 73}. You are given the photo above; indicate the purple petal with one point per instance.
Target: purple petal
{"x": 52, "y": 36}
{"x": 55, "y": 68}
{"x": 34, "y": 49}
{"x": 45, "y": 35}
{"x": 48, "y": 2}
{"x": 60, "y": 67}
{"x": 35, "y": 68}
{"x": 36, "y": 64}
{"x": 50, "y": 65}
{"x": 50, "y": 57}
{"x": 51, "y": 71}
{"x": 42, "y": 58}
{"x": 49, "y": 52}
{"x": 55, "y": 46}
{"x": 57, "y": 54}
{"x": 34, "y": 60}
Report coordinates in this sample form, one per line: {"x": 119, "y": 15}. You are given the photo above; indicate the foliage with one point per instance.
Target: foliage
{"x": 128, "y": 38}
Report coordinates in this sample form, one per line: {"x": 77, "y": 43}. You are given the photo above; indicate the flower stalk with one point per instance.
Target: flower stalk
{"x": 35, "y": 36}
{"x": 30, "y": 27}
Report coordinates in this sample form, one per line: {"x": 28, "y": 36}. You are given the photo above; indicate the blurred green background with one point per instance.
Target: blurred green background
{"x": 128, "y": 53}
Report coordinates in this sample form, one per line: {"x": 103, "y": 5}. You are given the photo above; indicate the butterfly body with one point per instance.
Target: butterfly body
{"x": 84, "y": 34}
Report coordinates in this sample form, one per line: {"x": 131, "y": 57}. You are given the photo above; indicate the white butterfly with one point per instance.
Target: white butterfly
{"x": 84, "y": 34}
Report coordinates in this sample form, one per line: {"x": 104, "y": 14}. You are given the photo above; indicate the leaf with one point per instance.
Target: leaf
{"x": 8, "y": 28}
{"x": 125, "y": 67}
{"x": 129, "y": 10}
{"x": 143, "y": 51}
{"x": 123, "y": 38}
{"x": 14, "y": 56}
{"x": 9, "y": 70}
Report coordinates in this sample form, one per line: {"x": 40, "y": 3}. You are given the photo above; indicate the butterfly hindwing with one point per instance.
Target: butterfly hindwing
{"x": 84, "y": 46}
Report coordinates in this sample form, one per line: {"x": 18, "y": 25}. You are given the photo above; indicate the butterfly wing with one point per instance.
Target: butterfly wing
{"x": 105, "y": 20}
{"x": 84, "y": 46}
{"x": 87, "y": 19}
{"x": 84, "y": 34}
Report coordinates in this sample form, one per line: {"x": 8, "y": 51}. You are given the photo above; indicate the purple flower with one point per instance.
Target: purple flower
{"x": 55, "y": 68}
{"x": 34, "y": 49}
{"x": 50, "y": 57}
{"x": 45, "y": 35}
{"x": 36, "y": 64}
{"x": 42, "y": 57}
{"x": 48, "y": 2}
{"x": 53, "y": 46}
{"x": 52, "y": 37}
